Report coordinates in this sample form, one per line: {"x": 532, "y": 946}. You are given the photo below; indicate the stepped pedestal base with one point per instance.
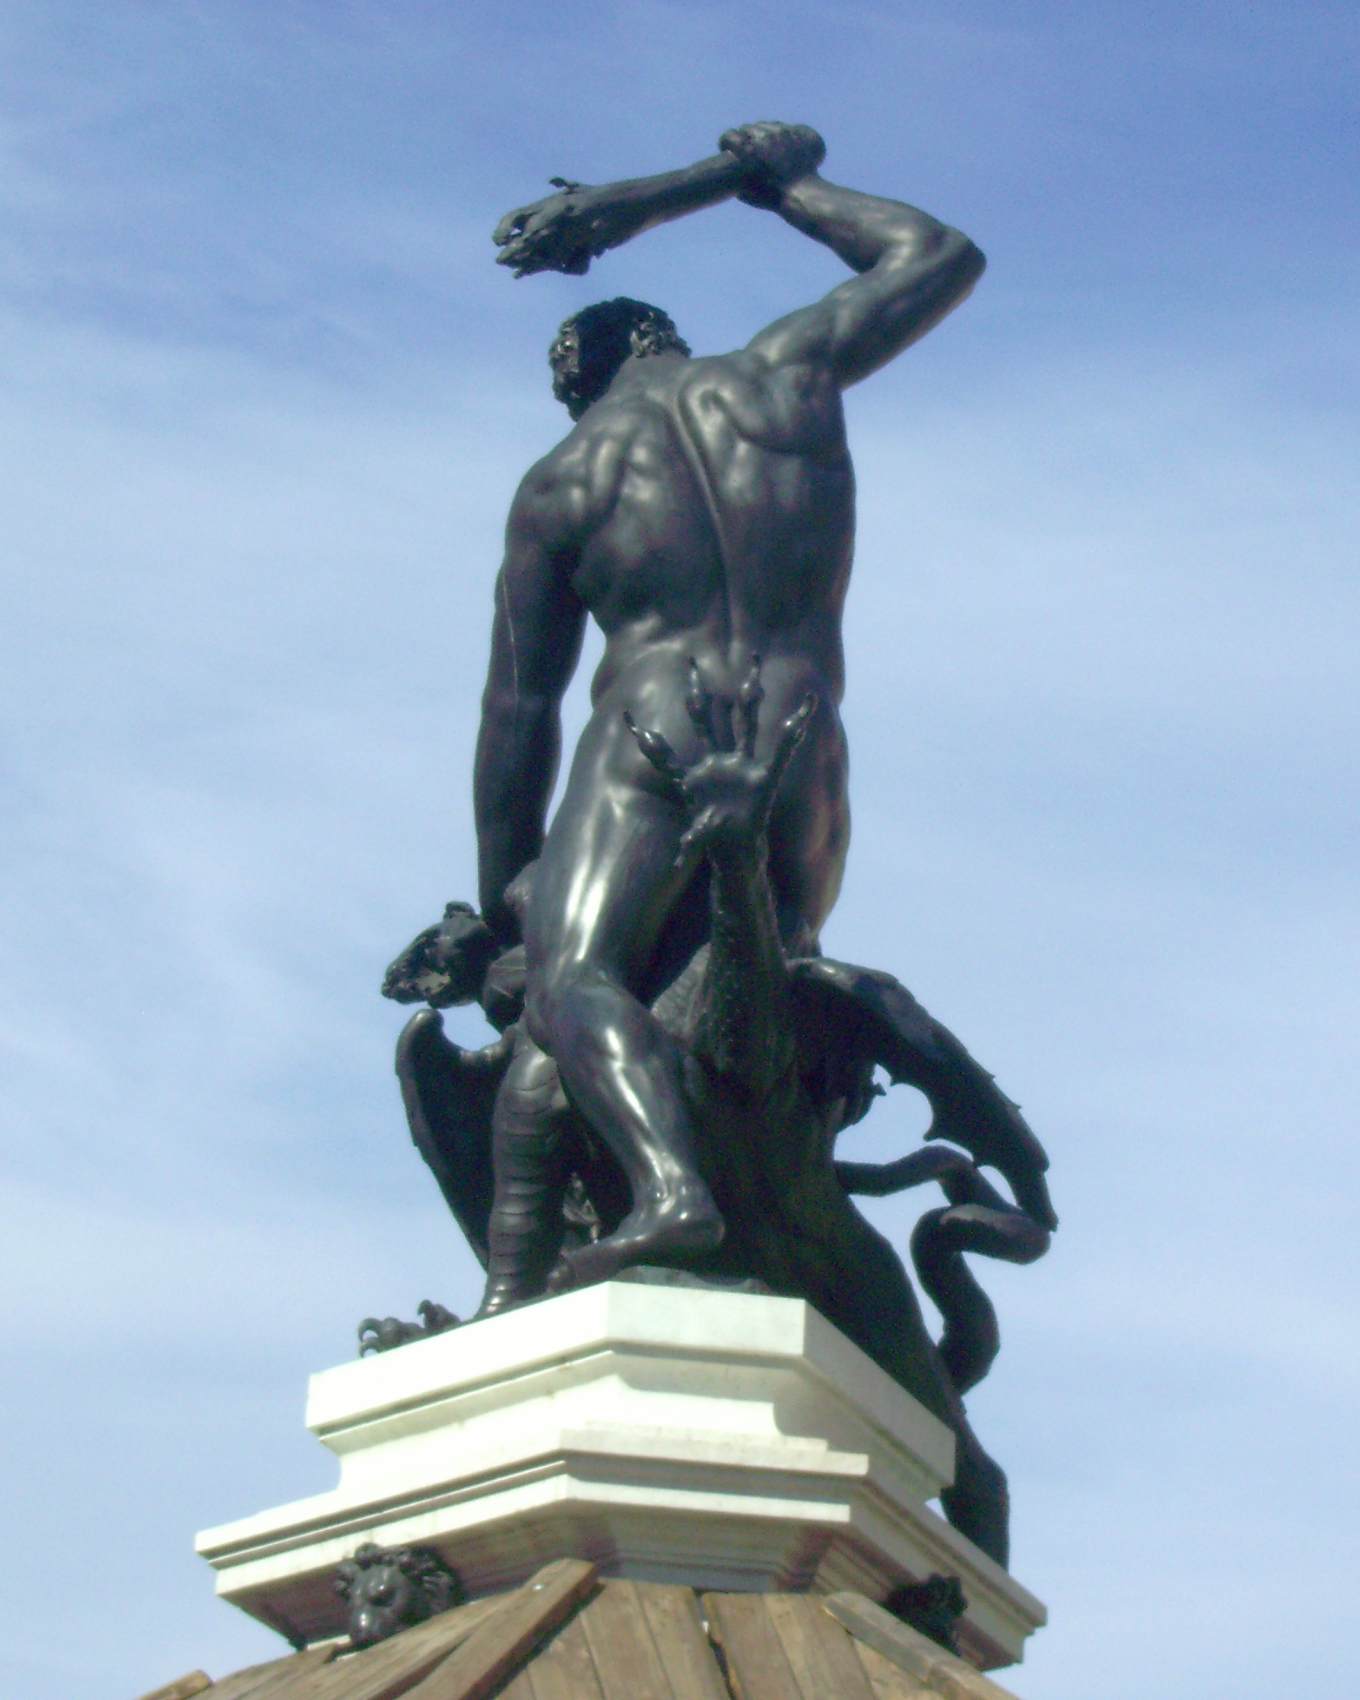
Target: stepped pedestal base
{"x": 728, "y": 1441}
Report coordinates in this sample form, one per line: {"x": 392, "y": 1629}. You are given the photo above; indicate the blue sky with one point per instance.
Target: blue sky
{"x": 266, "y": 401}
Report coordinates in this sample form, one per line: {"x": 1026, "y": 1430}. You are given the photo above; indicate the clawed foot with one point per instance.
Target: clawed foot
{"x": 383, "y": 1334}
{"x": 727, "y": 795}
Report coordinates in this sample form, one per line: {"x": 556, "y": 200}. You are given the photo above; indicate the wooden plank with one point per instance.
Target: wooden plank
{"x": 182, "y": 1688}
{"x": 884, "y": 1677}
{"x": 818, "y": 1649}
{"x": 564, "y": 1668}
{"x": 260, "y": 1682}
{"x": 389, "y": 1669}
{"x": 756, "y": 1666}
{"x": 501, "y": 1644}
{"x": 621, "y": 1645}
{"x": 518, "y": 1688}
{"x": 240, "y": 1681}
{"x": 942, "y": 1673}
{"x": 672, "y": 1614}
{"x": 890, "y": 1683}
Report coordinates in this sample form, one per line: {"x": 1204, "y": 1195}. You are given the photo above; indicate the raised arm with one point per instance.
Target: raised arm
{"x": 535, "y": 644}
{"x": 566, "y": 231}
{"x": 912, "y": 269}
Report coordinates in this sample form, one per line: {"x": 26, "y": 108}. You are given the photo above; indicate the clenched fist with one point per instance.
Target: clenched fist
{"x": 775, "y": 155}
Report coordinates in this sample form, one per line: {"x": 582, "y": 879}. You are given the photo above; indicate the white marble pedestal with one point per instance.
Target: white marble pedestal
{"x": 728, "y": 1441}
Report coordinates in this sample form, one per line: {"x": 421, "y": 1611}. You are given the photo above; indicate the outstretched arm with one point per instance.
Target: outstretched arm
{"x": 912, "y": 269}
{"x": 535, "y": 644}
{"x": 566, "y": 231}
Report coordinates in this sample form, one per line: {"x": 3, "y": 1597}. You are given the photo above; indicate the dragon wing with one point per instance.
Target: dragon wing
{"x": 449, "y": 1094}
{"x": 861, "y": 1017}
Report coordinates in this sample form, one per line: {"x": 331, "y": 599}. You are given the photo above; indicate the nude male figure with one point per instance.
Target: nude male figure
{"x": 701, "y": 511}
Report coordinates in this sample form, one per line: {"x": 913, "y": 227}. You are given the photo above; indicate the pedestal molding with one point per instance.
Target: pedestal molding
{"x": 731, "y": 1441}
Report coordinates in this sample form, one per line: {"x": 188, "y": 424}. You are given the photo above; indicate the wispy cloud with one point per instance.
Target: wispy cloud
{"x": 266, "y": 400}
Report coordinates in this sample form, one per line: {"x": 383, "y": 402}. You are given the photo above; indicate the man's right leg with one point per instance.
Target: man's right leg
{"x": 603, "y": 890}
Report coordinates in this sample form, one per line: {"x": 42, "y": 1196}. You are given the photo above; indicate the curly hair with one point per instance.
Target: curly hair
{"x": 601, "y": 338}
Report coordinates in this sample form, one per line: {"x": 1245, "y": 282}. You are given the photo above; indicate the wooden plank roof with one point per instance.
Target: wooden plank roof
{"x": 568, "y": 1634}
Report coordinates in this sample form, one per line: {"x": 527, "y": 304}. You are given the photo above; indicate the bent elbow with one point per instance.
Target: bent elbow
{"x": 950, "y": 261}
{"x": 966, "y": 259}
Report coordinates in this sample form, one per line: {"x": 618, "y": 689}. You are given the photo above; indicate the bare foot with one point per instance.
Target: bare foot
{"x": 687, "y": 1224}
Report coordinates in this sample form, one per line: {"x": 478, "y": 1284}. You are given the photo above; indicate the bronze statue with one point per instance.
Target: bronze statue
{"x": 677, "y": 1057}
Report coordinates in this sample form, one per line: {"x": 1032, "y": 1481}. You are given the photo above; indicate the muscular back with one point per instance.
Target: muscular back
{"x": 706, "y": 507}
{"x": 700, "y": 508}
